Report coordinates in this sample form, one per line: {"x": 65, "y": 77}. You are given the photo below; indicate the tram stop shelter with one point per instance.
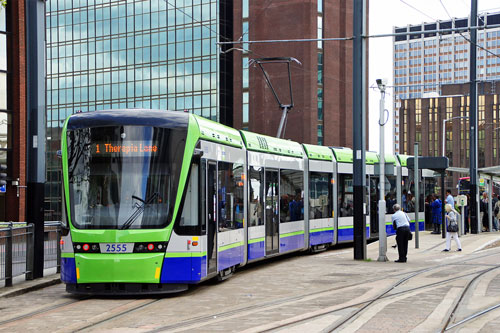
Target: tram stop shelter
{"x": 439, "y": 165}
{"x": 489, "y": 175}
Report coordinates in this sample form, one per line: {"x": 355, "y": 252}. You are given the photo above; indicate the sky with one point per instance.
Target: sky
{"x": 383, "y": 16}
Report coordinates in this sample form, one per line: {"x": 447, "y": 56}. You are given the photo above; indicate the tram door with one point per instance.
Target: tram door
{"x": 374, "y": 197}
{"x": 272, "y": 212}
{"x": 212, "y": 217}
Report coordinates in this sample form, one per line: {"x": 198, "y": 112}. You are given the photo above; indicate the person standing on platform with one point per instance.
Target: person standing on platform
{"x": 483, "y": 207}
{"x": 496, "y": 210}
{"x": 436, "y": 214}
{"x": 401, "y": 222}
{"x": 451, "y": 228}
{"x": 494, "y": 203}
{"x": 466, "y": 215}
{"x": 449, "y": 199}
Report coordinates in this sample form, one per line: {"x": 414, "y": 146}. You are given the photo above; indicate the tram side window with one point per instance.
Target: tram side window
{"x": 190, "y": 218}
{"x": 390, "y": 193}
{"x": 230, "y": 196}
{"x": 345, "y": 195}
{"x": 408, "y": 194}
{"x": 320, "y": 195}
{"x": 291, "y": 195}
{"x": 256, "y": 188}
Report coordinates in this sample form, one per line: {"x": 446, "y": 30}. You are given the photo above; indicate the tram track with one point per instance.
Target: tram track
{"x": 473, "y": 316}
{"x": 466, "y": 289}
{"x": 256, "y": 307}
{"x": 42, "y": 311}
{"x": 267, "y": 305}
{"x": 365, "y": 304}
{"x": 118, "y": 315}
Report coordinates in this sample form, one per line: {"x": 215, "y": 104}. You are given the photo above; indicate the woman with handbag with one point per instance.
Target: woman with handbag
{"x": 451, "y": 228}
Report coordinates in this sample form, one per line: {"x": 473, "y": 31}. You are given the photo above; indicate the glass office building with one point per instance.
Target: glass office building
{"x": 103, "y": 54}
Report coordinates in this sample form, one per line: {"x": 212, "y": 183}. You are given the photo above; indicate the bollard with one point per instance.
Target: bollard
{"x": 8, "y": 257}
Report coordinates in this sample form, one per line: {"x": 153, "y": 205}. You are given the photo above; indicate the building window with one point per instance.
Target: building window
{"x": 320, "y": 73}
{"x": 5, "y": 114}
{"x": 418, "y": 121}
{"x": 142, "y": 54}
{"x": 245, "y": 70}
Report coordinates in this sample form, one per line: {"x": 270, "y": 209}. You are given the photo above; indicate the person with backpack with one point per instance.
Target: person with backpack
{"x": 451, "y": 228}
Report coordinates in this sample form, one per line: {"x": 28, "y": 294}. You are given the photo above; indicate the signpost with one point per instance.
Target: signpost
{"x": 462, "y": 202}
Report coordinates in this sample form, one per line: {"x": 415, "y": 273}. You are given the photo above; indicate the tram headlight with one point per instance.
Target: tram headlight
{"x": 86, "y": 247}
{"x": 150, "y": 247}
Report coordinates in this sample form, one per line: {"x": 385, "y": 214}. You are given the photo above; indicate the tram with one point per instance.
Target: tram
{"x": 155, "y": 201}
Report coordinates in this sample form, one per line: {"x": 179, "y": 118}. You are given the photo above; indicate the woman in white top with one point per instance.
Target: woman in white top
{"x": 451, "y": 228}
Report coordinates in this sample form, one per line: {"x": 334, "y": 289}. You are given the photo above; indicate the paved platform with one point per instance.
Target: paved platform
{"x": 322, "y": 292}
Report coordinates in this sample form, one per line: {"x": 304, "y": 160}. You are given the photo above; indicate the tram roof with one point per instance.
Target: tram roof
{"x": 268, "y": 144}
{"x": 344, "y": 155}
{"x": 390, "y": 159}
{"x": 403, "y": 159}
{"x": 371, "y": 157}
{"x": 138, "y": 117}
{"x": 318, "y": 152}
{"x": 216, "y": 132}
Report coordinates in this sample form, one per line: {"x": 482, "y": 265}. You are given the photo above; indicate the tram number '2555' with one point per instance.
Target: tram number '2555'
{"x": 116, "y": 248}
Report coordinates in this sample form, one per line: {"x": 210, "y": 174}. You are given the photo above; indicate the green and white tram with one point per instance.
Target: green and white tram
{"x": 157, "y": 200}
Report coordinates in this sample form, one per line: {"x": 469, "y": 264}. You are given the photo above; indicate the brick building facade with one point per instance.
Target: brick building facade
{"x": 422, "y": 121}
{"x": 13, "y": 150}
{"x": 322, "y": 84}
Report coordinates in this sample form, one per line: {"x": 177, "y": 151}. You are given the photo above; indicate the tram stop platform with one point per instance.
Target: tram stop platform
{"x": 433, "y": 291}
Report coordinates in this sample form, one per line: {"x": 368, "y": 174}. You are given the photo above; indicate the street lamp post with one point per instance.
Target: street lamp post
{"x": 382, "y": 236}
{"x": 444, "y": 130}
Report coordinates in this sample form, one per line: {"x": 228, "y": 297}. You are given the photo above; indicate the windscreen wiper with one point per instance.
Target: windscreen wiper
{"x": 139, "y": 209}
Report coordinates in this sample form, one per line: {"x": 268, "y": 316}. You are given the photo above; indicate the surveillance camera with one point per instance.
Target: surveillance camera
{"x": 381, "y": 83}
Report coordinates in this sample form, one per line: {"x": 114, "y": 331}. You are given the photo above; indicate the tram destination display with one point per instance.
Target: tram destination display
{"x": 130, "y": 148}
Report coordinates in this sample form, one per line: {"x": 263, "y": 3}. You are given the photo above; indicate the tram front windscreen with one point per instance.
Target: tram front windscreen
{"x": 124, "y": 177}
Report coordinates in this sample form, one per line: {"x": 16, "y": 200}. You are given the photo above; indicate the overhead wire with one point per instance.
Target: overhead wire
{"x": 461, "y": 34}
{"x": 261, "y": 11}
{"x": 243, "y": 49}
{"x": 195, "y": 20}
{"x": 418, "y": 10}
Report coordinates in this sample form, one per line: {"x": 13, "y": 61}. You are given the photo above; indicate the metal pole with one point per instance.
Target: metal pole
{"x": 443, "y": 222}
{"x": 462, "y": 221}
{"x": 8, "y": 257}
{"x": 30, "y": 240}
{"x": 58, "y": 246}
{"x": 474, "y": 212}
{"x": 358, "y": 127}
{"x": 382, "y": 235}
{"x": 444, "y": 136}
{"x": 35, "y": 33}
{"x": 282, "y": 121}
{"x": 417, "y": 194}
{"x": 490, "y": 208}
